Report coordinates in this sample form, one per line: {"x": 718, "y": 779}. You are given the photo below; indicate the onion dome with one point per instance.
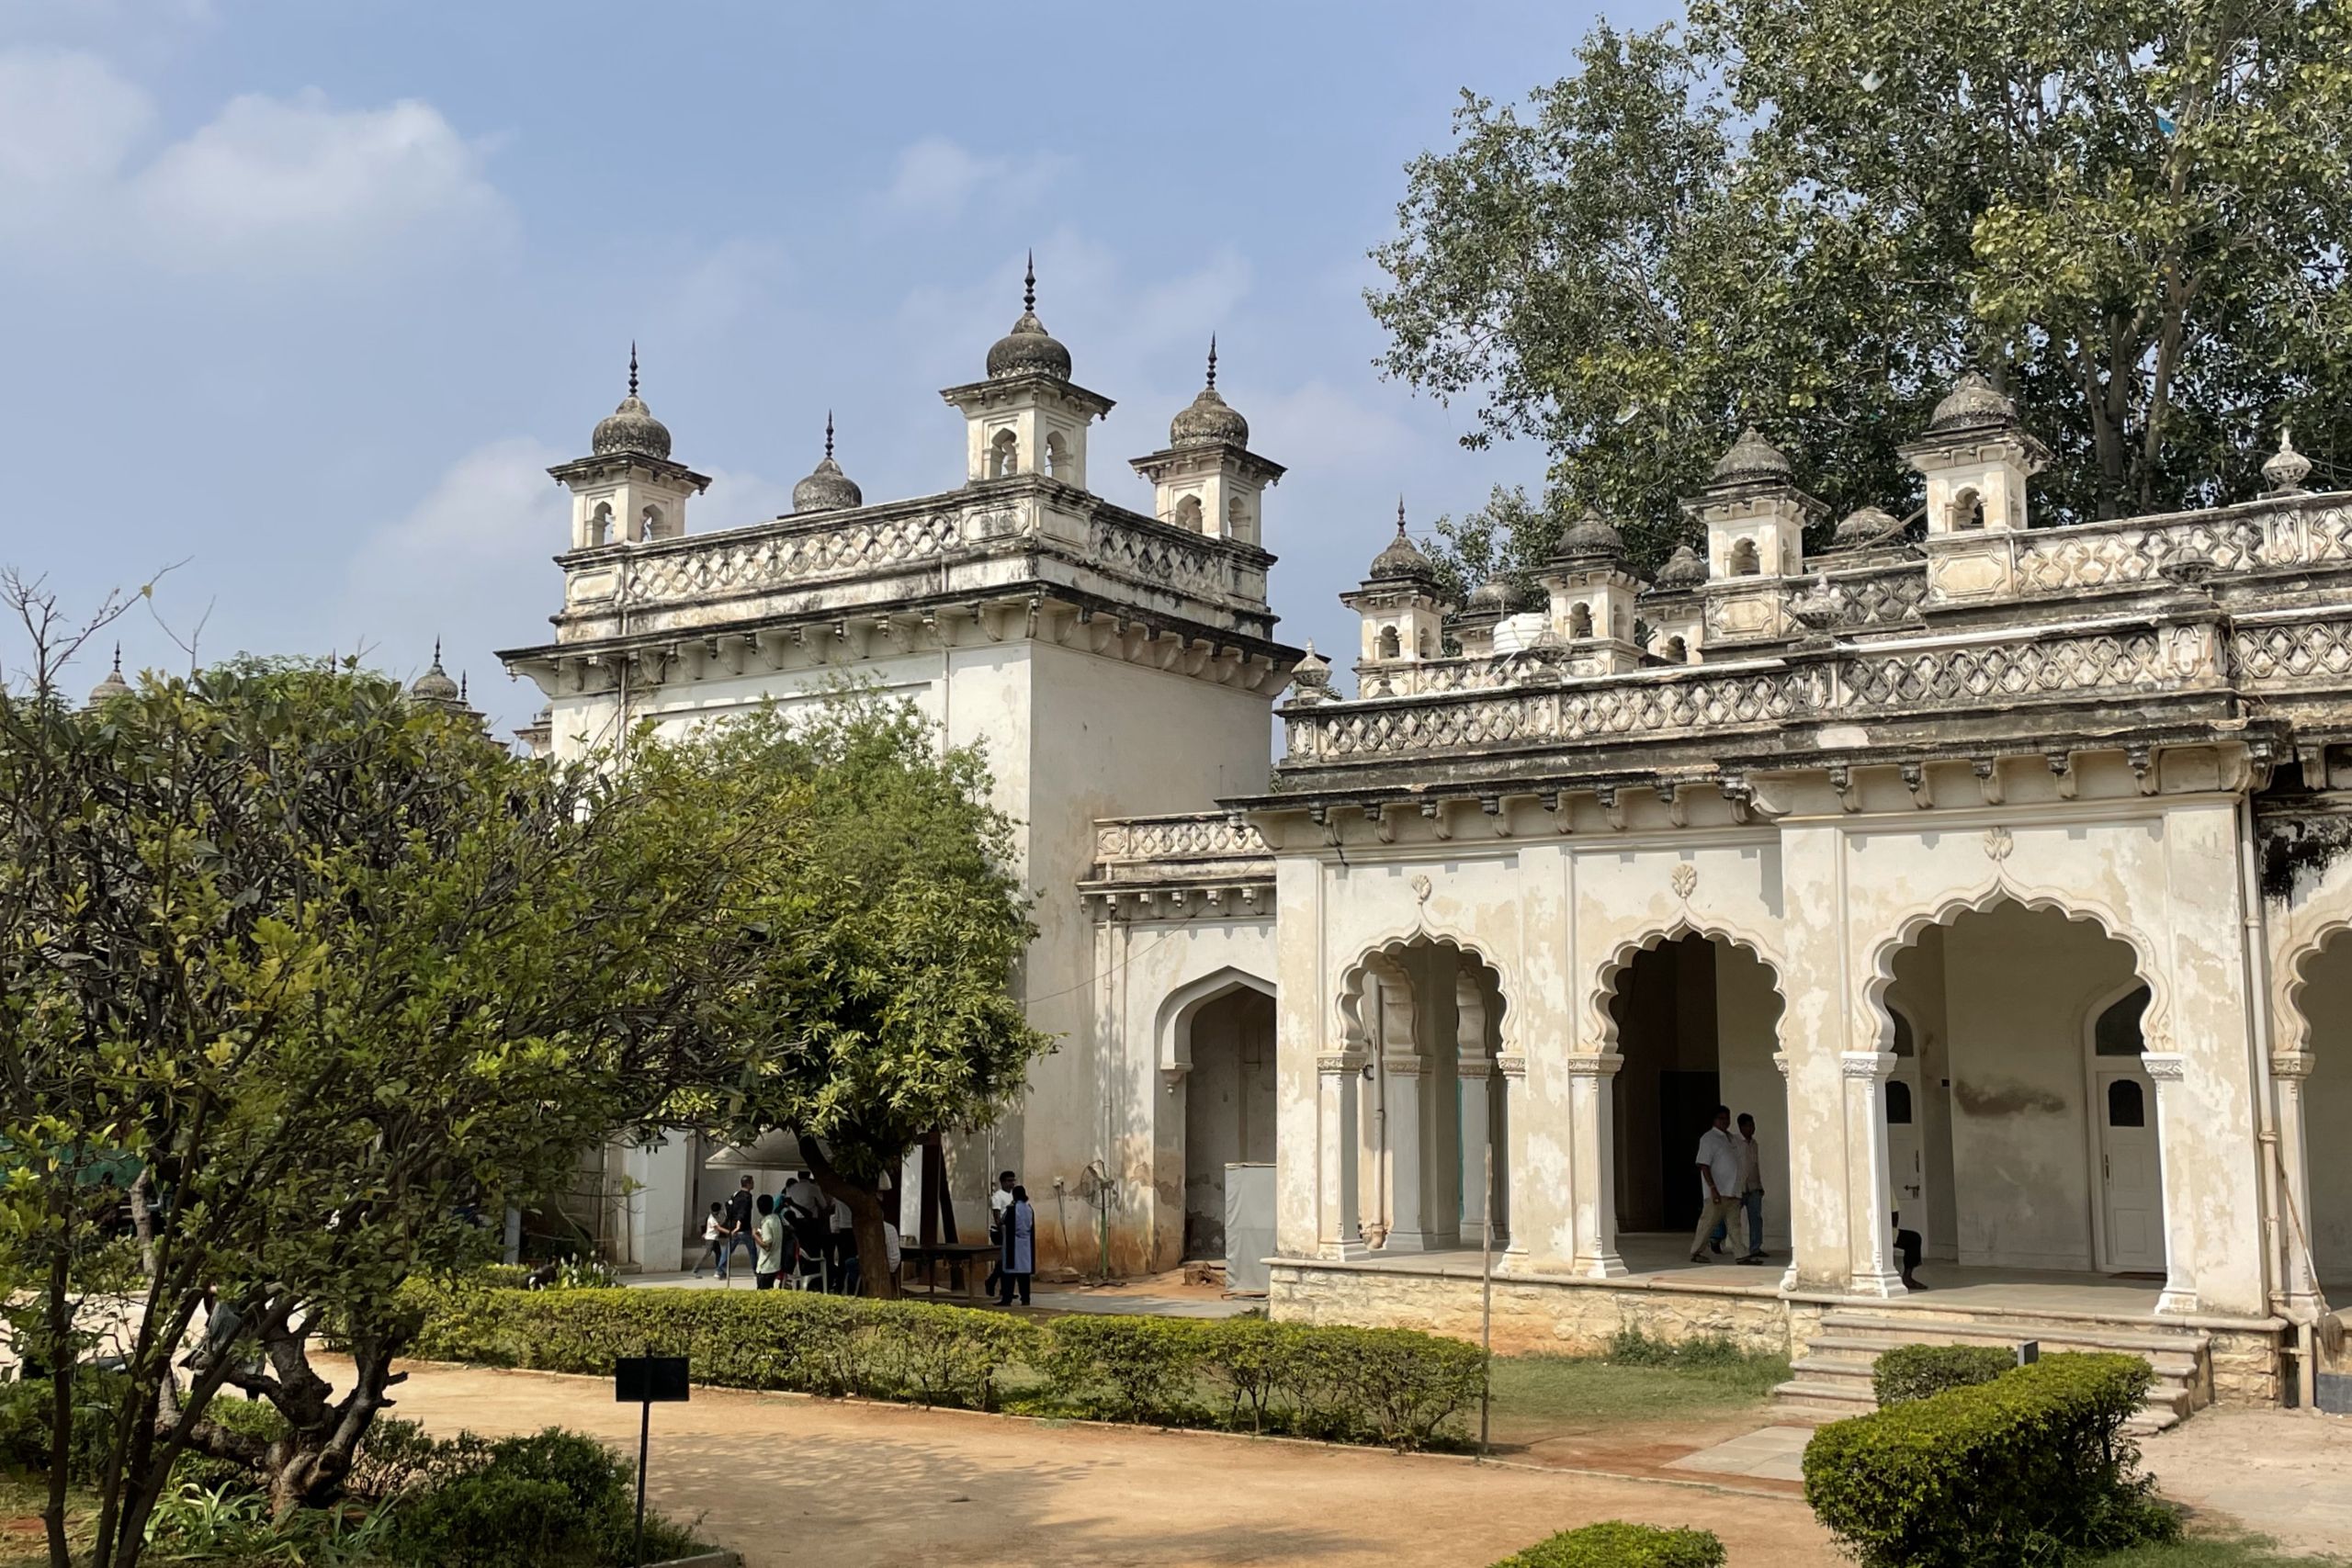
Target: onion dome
{"x": 1029, "y": 348}
{"x": 1752, "y": 460}
{"x": 1684, "y": 569}
{"x": 1210, "y": 420}
{"x": 1973, "y": 403}
{"x": 1402, "y": 559}
{"x": 434, "y": 687}
{"x": 827, "y": 488}
{"x": 2287, "y": 467}
{"x": 1589, "y": 539}
{"x": 631, "y": 428}
{"x": 1866, "y": 526}
{"x": 114, "y": 685}
{"x": 1498, "y": 595}
{"x": 1311, "y": 676}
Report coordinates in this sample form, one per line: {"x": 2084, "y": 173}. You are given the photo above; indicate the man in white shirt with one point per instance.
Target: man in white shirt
{"x": 1719, "y": 1181}
{"x": 998, "y": 1202}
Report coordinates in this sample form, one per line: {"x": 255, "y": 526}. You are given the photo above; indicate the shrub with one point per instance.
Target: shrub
{"x": 938, "y": 1355}
{"x": 1921, "y": 1371}
{"x": 555, "y": 1497}
{"x": 2022, "y": 1470}
{"x": 1137, "y": 1369}
{"x": 1408, "y": 1385}
{"x": 1611, "y": 1544}
{"x": 1251, "y": 1357}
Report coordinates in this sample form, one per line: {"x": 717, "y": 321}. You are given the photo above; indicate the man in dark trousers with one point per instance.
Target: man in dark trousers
{"x": 740, "y": 1230}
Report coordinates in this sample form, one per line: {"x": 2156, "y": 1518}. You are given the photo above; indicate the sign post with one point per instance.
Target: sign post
{"x": 646, "y": 1381}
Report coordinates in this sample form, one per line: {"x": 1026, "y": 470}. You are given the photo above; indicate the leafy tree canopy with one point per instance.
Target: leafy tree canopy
{"x": 1811, "y": 215}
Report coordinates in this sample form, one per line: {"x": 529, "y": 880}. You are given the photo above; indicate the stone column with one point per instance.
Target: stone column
{"x": 1869, "y": 1206}
{"x": 2289, "y": 1070}
{"x": 2168, "y": 1070}
{"x": 1821, "y": 989}
{"x": 1408, "y": 1228}
{"x": 1473, "y": 1075}
{"x": 1592, "y": 1135}
{"x": 1337, "y": 1074}
{"x": 1512, "y": 1171}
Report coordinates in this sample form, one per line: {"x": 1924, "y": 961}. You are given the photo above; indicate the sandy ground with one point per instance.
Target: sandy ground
{"x": 2283, "y": 1474}
{"x": 786, "y": 1480}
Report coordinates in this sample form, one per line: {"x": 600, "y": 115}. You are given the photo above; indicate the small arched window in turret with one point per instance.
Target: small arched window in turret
{"x": 1743, "y": 559}
{"x": 1056, "y": 456}
{"x": 600, "y": 524}
{"x": 1236, "y": 516}
{"x": 1004, "y": 455}
{"x": 649, "y": 524}
{"x": 1390, "y": 646}
{"x": 1188, "y": 513}
{"x": 1967, "y": 511}
{"x": 1580, "y": 620}
{"x": 1617, "y": 623}
{"x": 1422, "y": 643}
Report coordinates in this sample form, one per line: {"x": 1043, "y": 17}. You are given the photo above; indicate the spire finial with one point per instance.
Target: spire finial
{"x": 1401, "y": 516}
{"x": 118, "y": 658}
{"x": 462, "y": 687}
{"x": 1029, "y": 285}
{"x": 829, "y": 433}
{"x": 1212, "y": 360}
{"x": 437, "y": 653}
{"x": 632, "y": 367}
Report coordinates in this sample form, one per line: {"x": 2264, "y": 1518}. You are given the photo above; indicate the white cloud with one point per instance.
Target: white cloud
{"x": 937, "y": 179}
{"x": 269, "y": 186}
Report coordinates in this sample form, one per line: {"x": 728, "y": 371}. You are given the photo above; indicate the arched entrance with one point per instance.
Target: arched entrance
{"x": 2315, "y": 1088}
{"x": 1425, "y": 1031}
{"x": 1697, "y": 1024}
{"x": 2032, "y": 1141}
{"x": 1228, "y": 1107}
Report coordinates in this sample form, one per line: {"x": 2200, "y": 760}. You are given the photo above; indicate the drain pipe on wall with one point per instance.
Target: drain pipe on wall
{"x": 2256, "y": 938}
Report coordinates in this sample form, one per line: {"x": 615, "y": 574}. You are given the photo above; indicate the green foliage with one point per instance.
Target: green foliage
{"x": 2022, "y": 1470}
{"x": 1921, "y": 1371}
{"x": 555, "y": 1500}
{"x": 1811, "y": 215}
{"x": 1632, "y": 1347}
{"x": 1385, "y": 1385}
{"x": 1612, "y": 1544}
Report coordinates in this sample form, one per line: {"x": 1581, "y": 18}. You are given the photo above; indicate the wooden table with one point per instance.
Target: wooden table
{"x": 963, "y": 1260}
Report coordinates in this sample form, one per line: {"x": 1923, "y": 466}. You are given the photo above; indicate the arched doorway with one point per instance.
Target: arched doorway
{"x": 1697, "y": 1024}
{"x": 1425, "y": 1019}
{"x": 2033, "y": 1136}
{"x": 2323, "y": 1089}
{"x": 1228, "y": 1107}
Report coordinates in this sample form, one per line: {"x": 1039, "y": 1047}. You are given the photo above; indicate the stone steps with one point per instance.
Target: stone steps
{"x": 1832, "y": 1379}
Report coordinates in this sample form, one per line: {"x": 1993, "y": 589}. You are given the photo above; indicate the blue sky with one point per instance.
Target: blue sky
{"x": 307, "y": 295}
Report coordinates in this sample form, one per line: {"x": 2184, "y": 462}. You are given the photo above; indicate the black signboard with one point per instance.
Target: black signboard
{"x": 649, "y": 1379}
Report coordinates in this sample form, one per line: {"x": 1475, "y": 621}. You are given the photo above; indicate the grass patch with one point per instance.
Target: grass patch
{"x": 2209, "y": 1552}
{"x": 1636, "y": 1379}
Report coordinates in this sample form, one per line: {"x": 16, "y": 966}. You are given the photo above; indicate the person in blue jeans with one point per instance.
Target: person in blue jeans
{"x": 1751, "y": 1193}
{"x": 741, "y": 1231}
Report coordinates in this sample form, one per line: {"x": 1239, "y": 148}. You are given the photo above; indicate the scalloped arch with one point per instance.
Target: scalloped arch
{"x": 1877, "y": 1025}
{"x": 1601, "y": 1027}
{"x": 1171, "y": 1023}
{"x": 2294, "y": 978}
{"x": 1348, "y": 1002}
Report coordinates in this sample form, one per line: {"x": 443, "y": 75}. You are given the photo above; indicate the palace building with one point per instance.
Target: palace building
{"x": 2000, "y": 872}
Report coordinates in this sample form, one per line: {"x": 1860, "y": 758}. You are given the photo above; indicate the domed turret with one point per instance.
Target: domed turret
{"x": 1865, "y": 526}
{"x": 1209, "y": 420}
{"x": 1029, "y": 348}
{"x": 1751, "y": 460}
{"x": 631, "y": 428}
{"x": 114, "y": 685}
{"x": 1683, "y": 571}
{"x": 1402, "y": 560}
{"x": 433, "y": 688}
{"x": 827, "y": 488}
{"x": 1589, "y": 540}
{"x": 1973, "y": 401}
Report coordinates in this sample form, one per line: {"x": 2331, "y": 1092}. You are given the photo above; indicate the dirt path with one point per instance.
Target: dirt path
{"x": 786, "y": 1480}
{"x": 2277, "y": 1473}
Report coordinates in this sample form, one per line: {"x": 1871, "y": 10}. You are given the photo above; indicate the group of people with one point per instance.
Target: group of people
{"x": 1731, "y": 1178}
{"x": 1013, "y": 1227}
{"x": 799, "y": 1233}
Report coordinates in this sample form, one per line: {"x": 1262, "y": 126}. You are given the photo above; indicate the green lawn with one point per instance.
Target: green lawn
{"x": 2245, "y": 1552}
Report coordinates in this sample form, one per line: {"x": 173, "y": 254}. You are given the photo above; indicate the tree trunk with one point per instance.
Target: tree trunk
{"x": 864, "y": 1200}
{"x": 61, "y": 1405}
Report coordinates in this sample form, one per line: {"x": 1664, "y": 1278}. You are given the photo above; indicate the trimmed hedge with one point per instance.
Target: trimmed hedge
{"x": 1611, "y": 1544}
{"x": 2025, "y": 1468}
{"x": 1385, "y": 1385}
{"x": 1922, "y": 1371}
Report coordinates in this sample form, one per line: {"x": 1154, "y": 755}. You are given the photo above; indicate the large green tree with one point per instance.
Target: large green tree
{"x": 1810, "y": 215}
{"x": 875, "y": 1003}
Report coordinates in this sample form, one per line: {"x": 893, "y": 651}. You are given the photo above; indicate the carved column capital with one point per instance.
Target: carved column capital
{"x": 1403, "y": 1066}
{"x": 2291, "y": 1064}
{"x": 1866, "y": 1064}
{"x": 1330, "y": 1063}
{"x": 1595, "y": 1063}
{"x": 1474, "y": 1068}
{"x": 1512, "y": 1067}
{"x": 2165, "y": 1067}
{"x": 1780, "y": 1060}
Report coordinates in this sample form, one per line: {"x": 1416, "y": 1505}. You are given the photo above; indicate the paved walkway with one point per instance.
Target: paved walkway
{"x": 2278, "y": 1472}
{"x": 1159, "y": 1296}
{"x": 792, "y": 1481}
